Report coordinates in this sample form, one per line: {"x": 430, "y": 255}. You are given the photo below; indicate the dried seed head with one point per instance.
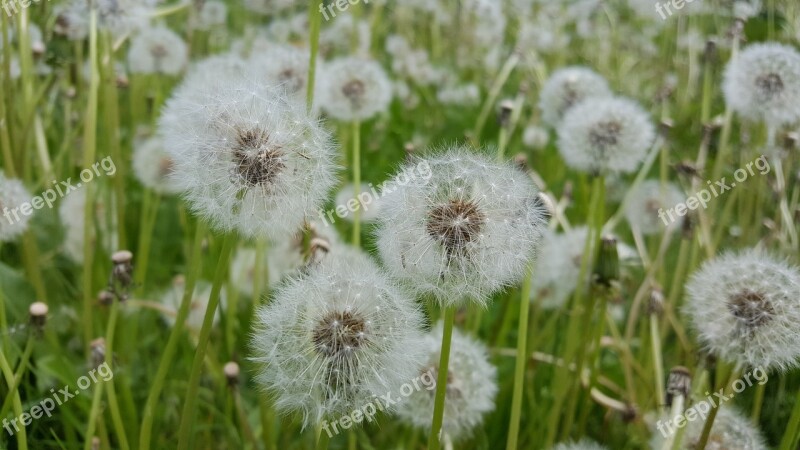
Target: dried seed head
{"x": 679, "y": 382}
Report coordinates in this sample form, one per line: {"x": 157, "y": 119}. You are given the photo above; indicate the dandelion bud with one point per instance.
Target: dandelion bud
{"x": 665, "y": 126}
{"x": 506, "y": 107}
{"x": 521, "y": 161}
{"x": 606, "y": 272}
{"x": 38, "y": 314}
{"x": 123, "y": 269}
{"x": 679, "y": 382}
{"x": 656, "y": 304}
{"x": 105, "y": 298}
{"x": 231, "y": 371}
{"x": 409, "y": 148}
{"x": 98, "y": 348}
{"x": 791, "y": 140}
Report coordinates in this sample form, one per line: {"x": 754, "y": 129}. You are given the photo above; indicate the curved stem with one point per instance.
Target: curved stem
{"x": 441, "y": 379}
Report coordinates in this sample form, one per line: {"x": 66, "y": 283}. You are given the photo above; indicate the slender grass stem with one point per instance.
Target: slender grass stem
{"x": 22, "y": 438}
{"x": 172, "y": 342}
{"x": 23, "y": 363}
{"x": 521, "y": 362}
{"x": 116, "y": 417}
{"x": 189, "y": 407}
{"x": 494, "y": 92}
{"x": 441, "y": 380}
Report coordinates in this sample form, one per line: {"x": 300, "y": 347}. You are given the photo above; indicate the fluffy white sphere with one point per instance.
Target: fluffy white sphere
{"x": 603, "y": 135}
{"x": 745, "y": 308}
{"x": 158, "y": 50}
{"x": 247, "y": 157}
{"x": 763, "y": 83}
{"x": 471, "y": 386}
{"x": 468, "y": 230}
{"x": 71, "y": 213}
{"x": 642, "y": 210}
{"x": 731, "y": 430}
{"x": 334, "y": 339}
{"x": 152, "y": 166}
{"x": 567, "y": 87}
{"x": 354, "y": 88}
{"x": 12, "y": 195}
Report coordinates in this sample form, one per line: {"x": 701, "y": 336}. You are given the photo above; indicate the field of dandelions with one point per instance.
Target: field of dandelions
{"x": 378, "y": 224}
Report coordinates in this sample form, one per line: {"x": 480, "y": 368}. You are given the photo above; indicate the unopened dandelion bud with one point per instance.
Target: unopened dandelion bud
{"x": 38, "y": 314}
{"x": 791, "y": 140}
{"x": 409, "y": 148}
{"x": 503, "y": 118}
{"x": 687, "y": 226}
{"x": 231, "y": 371}
{"x": 679, "y": 382}
{"x": 665, "y": 126}
{"x": 521, "y": 161}
{"x": 656, "y": 304}
{"x": 123, "y": 269}
{"x": 105, "y": 298}
{"x": 606, "y": 271}
{"x": 686, "y": 168}
{"x": 98, "y": 349}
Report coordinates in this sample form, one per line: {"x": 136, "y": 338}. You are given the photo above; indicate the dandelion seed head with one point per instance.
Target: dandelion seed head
{"x": 158, "y": 50}
{"x": 763, "y": 83}
{"x": 153, "y": 166}
{"x": 355, "y": 89}
{"x": 567, "y": 87}
{"x": 731, "y": 430}
{"x": 605, "y": 135}
{"x": 642, "y": 210}
{"x": 744, "y": 308}
{"x": 12, "y": 195}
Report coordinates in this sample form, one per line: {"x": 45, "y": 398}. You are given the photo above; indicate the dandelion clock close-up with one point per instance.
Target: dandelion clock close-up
{"x": 415, "y": 225}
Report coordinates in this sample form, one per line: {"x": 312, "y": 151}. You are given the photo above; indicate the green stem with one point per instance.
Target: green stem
{"x": 792, "y": 433}
{"x": 712, "y": 415}
{"x": 494, "y": 92}
{"x": 169, "y": 351}
{"x": 189, "y": 407}
{"x": 22, "y": 439}
{"x": 23, "y": 363}
{"x": 441, "y": 379}
{"x": 521, "y": 363}
{"x": 755, "y": 415}
{"x": 314, "y": 23}
{"x": 357, "y": 182}
{"x": 116, "y": 417}
{"x": 322, "y": 440}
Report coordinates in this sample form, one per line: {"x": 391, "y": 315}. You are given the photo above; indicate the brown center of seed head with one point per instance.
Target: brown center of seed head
{"x": 455, "y": 224}
{"x": 770, "y": 84}
{"x": 258, "y": 161}
{"x": 605, "y": 134}
{"x": 338, "y": 333}
{"x": 751, "y": 308}
{"x": 354, "y": 91}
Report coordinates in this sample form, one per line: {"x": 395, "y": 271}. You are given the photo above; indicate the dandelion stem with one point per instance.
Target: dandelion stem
{"x": 172, "y": 342}
{"x": 357, "y": 182}
{"x": 189, "y": 409}
{"x": 23, "y": 362}
{"x": 494, "y": 92}
{"x": 116, "y": 417}
{"x": 521, "y": 363}
{"x": 322, "y": 439}
{"x": 441, "y": 379}
{"x": 712, "y": 415}
{"x": 791, "y": 436}
{"x": 314, "y": 24}
{"x": 22, "y": 440}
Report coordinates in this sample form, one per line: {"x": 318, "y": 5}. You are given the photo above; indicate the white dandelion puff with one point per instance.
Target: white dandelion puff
{"x": 731, "y": 430}
{"x": 471, "y": 386}
{"x": 158, "y": 50}
{"x": 467, "y": 231}
{"x": 642, "y": 210}
{"x": 246, "y": 157}
{"x": 71, "y": 213}
{"x": 355, "y": 89}
{"x": 171, "y": 300}
{"x": 211, "y": 14}
{"x": 763, "y": 83}
{"x": 745, "y": 308}
{"x": 13, "y": 195}
{"x": 567, "y": 87}
{"x": 367, "y": 202}
{"x": 605, "y": 135}
{"x": 336, "y": 338}
{"x": 153, "y": 166}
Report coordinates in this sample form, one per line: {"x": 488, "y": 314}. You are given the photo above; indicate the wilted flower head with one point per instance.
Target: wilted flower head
{"x": 745, "y": 308}
{"x": 763, "y": 83}
{"x": 333, "y": 340}
{"x": 246, "y": 156}
{"x": 158, "y": 50}
{"x": 731, "y": 430}
{"x": 152, "y": 166}
{"x": 649, "y": 200}
{"x": 467, "y": 231}
{"x": 355, "y": 89}
{"x": 567, "y": 87}
{"x": 603, "y": 135}
{"x": 171, "y": 299}
{"x": 12, "y": 195}
{"x": 471, "y": 386}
